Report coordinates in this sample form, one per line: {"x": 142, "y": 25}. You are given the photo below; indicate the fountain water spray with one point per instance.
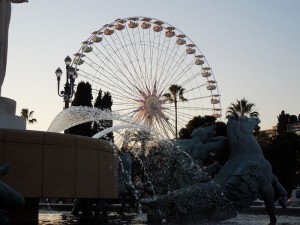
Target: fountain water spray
{"x": 76, "y": 115}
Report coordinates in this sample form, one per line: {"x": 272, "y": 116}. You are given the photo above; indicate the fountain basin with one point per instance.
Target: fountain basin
{"x": 46, "y": 165}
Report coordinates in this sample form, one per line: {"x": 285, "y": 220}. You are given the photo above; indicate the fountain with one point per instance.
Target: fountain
{"x": 245, "y": 176}
{"x": 186, "y": 193}
{"x": 182, "y": 191}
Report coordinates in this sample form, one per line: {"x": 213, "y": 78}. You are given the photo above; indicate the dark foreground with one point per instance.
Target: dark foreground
{"x": 65, "y": 218}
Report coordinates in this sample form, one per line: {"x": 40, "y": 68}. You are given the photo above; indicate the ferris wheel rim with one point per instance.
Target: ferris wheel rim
{"x": 139, "y": 18}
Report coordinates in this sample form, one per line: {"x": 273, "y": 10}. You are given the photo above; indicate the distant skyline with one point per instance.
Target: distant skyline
{"x": 253, "y": 48}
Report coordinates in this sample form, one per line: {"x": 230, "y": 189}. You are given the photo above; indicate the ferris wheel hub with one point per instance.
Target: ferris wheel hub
{"x": 152, "y": 105}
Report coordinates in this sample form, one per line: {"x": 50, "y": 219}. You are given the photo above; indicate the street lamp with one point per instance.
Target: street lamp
{"x": 68, "y": 91}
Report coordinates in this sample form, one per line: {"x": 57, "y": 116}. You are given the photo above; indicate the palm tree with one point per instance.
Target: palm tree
{"x": 142, "y": 136}
{"x": 175, "y": 95}
{"x": 27, "y": 115}
{"x": 242, "y": 108}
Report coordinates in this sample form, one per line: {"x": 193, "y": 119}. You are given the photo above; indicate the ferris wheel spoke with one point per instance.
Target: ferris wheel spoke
{"x": 120, "y": 103}
{"x": 167, "y": 57}
{"x": 180, "y": 114}
{"x": 151, "y": 48}
{"x": 144, "y": 47}
{"x": 132, "y": 58}
{"x": 180, "y": 74}
{"x": 128, "y": 109}
{"x": 172, "y": 74}
{"x": 117, "y": 93}
{"x": 92, "y": 77}
{"x": 132, "y": 42}
{"x": 138, "y": 53}
{"x": 191, "y": 79}
{"x": 159, "y": 55}
{"x": 108, "y": 83}
{"x": 197, "y": 108}
{"x": 183, "y": 72}
{"x": 155, "y": 53}
{"x": 143, "y": 53}
{"x": 166, "y": 127}
{"x": 161, "y": 58}
{"x": 108, "y": 71}
{"x": 113, "y": 61}
{"x": 170, "y": 124}
{"x": 187, "y": 91}
{"x": 180, "y": 123}
{"x": 118, "y": 68}
{"x": 115, "y": 74}
{"x": 200, "y": 97}
{"x": 169, "y": 62}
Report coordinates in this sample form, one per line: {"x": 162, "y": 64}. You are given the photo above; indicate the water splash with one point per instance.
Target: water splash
{"x": 76, "y": 115}
{"x": 114, "y": 128}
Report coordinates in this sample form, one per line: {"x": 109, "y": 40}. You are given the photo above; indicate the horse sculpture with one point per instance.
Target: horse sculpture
{"x": 247, "y": 174}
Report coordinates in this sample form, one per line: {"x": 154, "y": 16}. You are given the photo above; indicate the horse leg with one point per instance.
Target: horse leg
{"x": 280, "y": 192}
{"x": 267, "y": 194}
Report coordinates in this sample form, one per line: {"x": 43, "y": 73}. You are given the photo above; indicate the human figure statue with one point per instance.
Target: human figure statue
{"x": 5, "y": 12}
{"x": 8, "y": 196}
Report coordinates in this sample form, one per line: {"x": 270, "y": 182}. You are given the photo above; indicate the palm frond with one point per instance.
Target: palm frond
{"x": 242, "y": 107}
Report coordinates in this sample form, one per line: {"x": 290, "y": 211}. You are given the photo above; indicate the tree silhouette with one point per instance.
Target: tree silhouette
{"x": 83, "y": 97}
{"x": 104, "y": 102}
{"x": 142, "y": 136}
{"x": 196, "y": 122}
{"x": 283, "y": 152}
{"x": 175, "y": 95}
{"x": 283, "y": 120}
{"x": 242, "y": 108}
{"x": 27, "y": 115}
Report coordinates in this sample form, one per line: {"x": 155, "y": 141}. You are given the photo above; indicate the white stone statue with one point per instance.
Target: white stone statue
{"x": 5, "y": 11}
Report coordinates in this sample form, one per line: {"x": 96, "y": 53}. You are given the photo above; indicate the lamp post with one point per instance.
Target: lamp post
{"x": 71, "y": 75}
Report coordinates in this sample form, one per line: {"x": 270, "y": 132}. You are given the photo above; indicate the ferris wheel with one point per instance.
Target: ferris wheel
{"x": 138, "y": 60}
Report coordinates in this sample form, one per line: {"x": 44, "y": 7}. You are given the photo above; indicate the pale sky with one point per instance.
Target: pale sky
{"x": 252, "y": 46}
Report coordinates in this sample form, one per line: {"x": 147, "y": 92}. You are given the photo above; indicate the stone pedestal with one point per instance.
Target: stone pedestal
{"x": 8, "y": 118}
